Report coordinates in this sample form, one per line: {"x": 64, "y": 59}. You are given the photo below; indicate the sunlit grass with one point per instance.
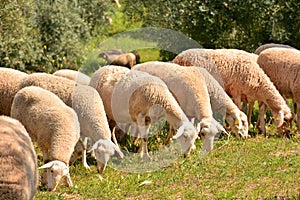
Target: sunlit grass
{"x": 246, "y": 169}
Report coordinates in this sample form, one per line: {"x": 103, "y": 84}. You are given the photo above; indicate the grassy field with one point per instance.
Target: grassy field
{"x": 256, "y": 168}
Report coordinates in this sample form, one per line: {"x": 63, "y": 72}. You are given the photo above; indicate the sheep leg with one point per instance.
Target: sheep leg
{"x": 261, "y": 120}
{"x": 143, "y": 150}
{"x": 237, "y": 101}
{"x": 298, "y": 115}
{"x": 170, "y": 135}
{"x": 249, "y": 113}
{"x": 84, "y": 148}
{"x": 134, "y": 134}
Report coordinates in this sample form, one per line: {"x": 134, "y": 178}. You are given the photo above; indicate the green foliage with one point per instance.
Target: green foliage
{"x": 19, "y": 43}
{"x": 223, "y": 24}
{"x": 47, "y": 35}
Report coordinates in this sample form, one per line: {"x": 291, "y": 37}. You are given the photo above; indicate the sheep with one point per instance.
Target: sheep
{"x": 53, "y": 126}
{"x": 236, "y": 119}
{"x": 135, "y": 97}
{"x": 243, "y": 79}
{"x": 9, "y": 81}
{"x": 189, "y": 89}
{"x": 282, "y": 65}
{"x": 116, "y": 57}
{"x": 77, "y": 76}
{"x": 88, "y": 105}
{"x": 18, "y": 161}
{"x": 271, "y": 45}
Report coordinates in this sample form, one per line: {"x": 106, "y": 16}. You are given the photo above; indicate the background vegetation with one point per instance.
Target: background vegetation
{"x": 46, "y": 35}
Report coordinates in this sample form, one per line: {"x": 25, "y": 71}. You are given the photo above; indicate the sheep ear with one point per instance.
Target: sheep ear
{"x": 47, "y": 165}
{"x": 179, "y": 133}
{"x": 95, "y": 145}
{"x": 118, "y": 151}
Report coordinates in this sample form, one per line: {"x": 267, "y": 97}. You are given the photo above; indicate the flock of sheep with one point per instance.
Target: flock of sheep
{"x": 59, "y": 111}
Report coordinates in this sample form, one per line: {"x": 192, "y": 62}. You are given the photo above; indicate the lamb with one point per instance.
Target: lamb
{"x": 77, "y": 76}
{"x": 190, "y": 90}
{"x": 18, "y": 161}
{"x": 135, "y": 97}
{"x": 282, "y": 65}
{"x": 9, "y": 81}
{"x": 243, "y": 79}
{"x": 122, "y": 59}
{"x": 88, "y": 105}
{"x": 271, "y": 45}
{"x": 53, "y": 125}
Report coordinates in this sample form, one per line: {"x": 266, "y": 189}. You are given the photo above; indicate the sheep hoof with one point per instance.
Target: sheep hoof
{"x": 87, "y": 167}
{"x": 145, "y": 156}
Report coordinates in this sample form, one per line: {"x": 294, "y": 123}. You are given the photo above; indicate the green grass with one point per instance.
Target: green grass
{"x": 257, "y": 168}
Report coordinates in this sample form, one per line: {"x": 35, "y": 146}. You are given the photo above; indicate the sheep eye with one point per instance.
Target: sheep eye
{"x": 51, "y": 171}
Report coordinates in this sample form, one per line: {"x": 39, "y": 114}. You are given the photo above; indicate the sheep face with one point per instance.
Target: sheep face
{"x": 239, "y": 124}
{"x": 209, "y": 128}
{"x": 186, "y": 136}
{"x": 102, "y": 150}
{"x": 56, "y": 170}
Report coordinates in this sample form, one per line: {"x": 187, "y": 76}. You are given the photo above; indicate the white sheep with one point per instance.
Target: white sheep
{"x": 76, "y": 76}
{"x": 243, "y": 79}
{"x": 282, "y": 65}
{"x": 271, "y": 45}
{"x": 18, "y": 161}
{"x": 139, "y": 98}
{"x": 9, "y": 86}
{"x": 190, "y": 90}
{"x": 53, "y": 126}
{"x": 88, "y": 105}
{"x": 236, "y": 119}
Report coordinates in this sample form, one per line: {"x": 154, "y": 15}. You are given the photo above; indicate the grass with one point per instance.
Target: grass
{"x": 257, "y": 168}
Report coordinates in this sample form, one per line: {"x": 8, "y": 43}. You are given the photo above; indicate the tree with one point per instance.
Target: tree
{"x": 222, "y": 24}
{"x": 19, "y": 44}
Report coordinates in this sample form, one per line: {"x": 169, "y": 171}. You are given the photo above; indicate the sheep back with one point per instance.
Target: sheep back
{"x": 60, "y": 86}
{"x": 9, "y": 86}
{"x": 73, "y": 75}
{"x": 91, "y": 114}
{"x": 271, "y": 45}
{"x": 242, "y": 77}
{"x": 141, "y": 91}
{"x": 18, "y": 161}
{"x": 49, "y": 122}
{"x": 186, "y": 84}
{"x": 104, "y": 81}
{"x": 282, "y": 65}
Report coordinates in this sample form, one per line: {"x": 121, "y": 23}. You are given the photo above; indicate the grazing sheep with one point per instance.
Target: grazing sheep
{"x": 236, "y": 119}
{"x": 282, "y": 65}
{"x": 53, "y": 125}
{"x": 243, "y": 79}
{"x": 271, "y": 45}
{"x": 88, "y": 105}
{"x": 135, "y": 97}
{"x": 76, "y": 76}
{"x": 189, "y": 89}
{"x": 18, "y": 161}
{"x": 9, "y": 82}
{"x": 116, "y": 57}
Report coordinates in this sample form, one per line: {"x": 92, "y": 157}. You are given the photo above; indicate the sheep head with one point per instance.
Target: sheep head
{"x": 239, "y": 123}
{"x": 186, "y": 136}
{"x": 102, "y": 150}
{"x": 209, "y": 128}
{"x": 56, "y": 170}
